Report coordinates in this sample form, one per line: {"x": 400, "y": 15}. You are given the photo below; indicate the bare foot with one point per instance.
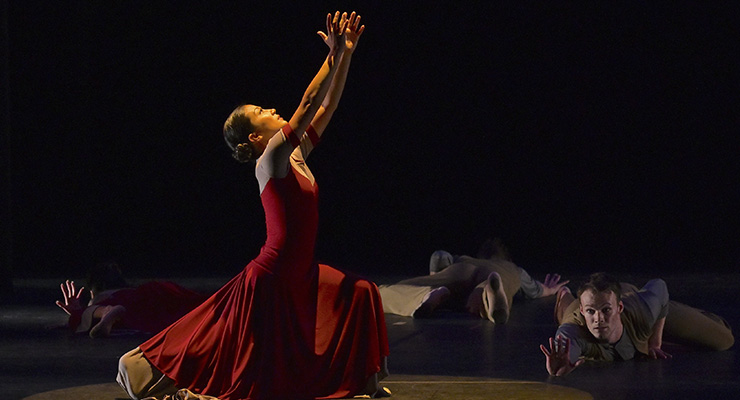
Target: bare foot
{"x": 111, "y": 315}
{"x": 495, "y": 303}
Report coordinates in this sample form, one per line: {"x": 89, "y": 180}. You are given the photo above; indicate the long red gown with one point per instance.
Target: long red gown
{"x": 285, "y": 327}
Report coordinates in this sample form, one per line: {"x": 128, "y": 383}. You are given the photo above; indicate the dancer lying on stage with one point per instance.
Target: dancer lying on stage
{"x": 484, "y": 286}
{"x": 617, "y": 321}
{"x": 114, "y": 305}
{"x": 285, "y": 327}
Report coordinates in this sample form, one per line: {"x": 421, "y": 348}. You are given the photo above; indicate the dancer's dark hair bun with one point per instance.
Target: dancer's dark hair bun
{"x": 243, "y": 152}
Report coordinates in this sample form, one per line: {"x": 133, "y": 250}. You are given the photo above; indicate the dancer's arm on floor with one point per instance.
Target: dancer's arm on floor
{"x": 656, "y": 341}
{"x": 656, "y": 297}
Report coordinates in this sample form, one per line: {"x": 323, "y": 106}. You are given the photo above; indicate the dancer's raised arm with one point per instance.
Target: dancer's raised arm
{"x": 249, "y": 129}
{"x": 351, "y": 37}
{"x": 316, "y": 91}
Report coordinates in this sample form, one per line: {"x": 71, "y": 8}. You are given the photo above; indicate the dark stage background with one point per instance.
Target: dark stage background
{"x": 587, "y": 135}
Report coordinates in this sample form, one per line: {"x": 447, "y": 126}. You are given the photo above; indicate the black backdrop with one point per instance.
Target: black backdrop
{"x": 587, "y": 135}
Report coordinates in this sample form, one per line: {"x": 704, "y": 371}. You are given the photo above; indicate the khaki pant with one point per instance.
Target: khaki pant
{"x": 140, "y": 380}
{"x": 697, "y": 328}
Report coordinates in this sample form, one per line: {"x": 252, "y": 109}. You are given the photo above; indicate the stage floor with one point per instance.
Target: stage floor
{"x": 427, "y": 356}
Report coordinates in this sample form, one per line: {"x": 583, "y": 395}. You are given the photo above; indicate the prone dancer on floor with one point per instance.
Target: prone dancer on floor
{"x": 484, "y": 285}
{"x": 115, "y": 305}
{"x": 611, "y": 320}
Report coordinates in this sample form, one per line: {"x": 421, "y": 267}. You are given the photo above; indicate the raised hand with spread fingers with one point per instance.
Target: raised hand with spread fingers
{"x": 558, "y": 357}
{"x": 71, "y": 295}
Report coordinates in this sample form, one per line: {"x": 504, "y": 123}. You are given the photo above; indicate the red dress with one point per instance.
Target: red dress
{"x": 285, "y": 327}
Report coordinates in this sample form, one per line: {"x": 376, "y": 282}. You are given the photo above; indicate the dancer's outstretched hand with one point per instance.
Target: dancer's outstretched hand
{"x": 335, "y": 28}
{"x": 552, "y": 284}
{"x": 558, "y": 357}
{"x": 353, "y": 32}
{"x": 71, "y": 298}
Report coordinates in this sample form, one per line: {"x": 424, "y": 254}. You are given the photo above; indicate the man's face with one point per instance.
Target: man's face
{"x": 602, "y": 313}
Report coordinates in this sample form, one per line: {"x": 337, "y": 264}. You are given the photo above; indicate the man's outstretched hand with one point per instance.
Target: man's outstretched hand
{"x": 558, "y": 357}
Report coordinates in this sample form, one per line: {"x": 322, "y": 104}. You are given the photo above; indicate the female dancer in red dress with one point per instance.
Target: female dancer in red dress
{"x": 285, "y": 327}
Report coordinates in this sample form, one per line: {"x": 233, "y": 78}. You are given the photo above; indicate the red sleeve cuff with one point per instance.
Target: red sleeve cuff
{"x": 313, "y": 135}
{"x": 291, "y": 136}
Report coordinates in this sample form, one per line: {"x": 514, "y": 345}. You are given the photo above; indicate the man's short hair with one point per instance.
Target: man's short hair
{"x": 602, "y": 282}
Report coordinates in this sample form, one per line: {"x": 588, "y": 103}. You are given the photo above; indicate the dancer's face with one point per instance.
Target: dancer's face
{"x": 266, "y": 122}
{"x": 602, "y": 312}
